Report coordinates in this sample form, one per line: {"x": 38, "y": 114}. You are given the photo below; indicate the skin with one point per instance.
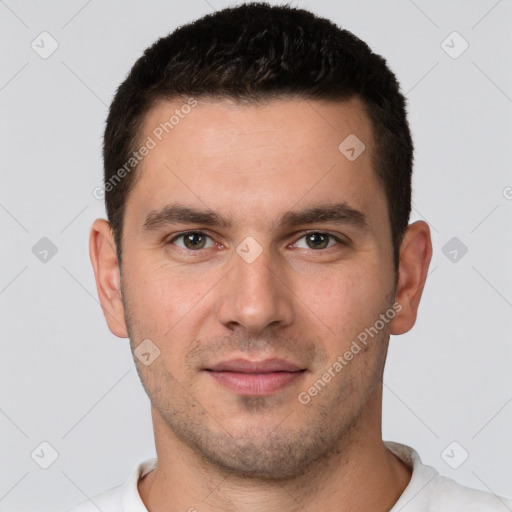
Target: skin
{"x": 223, "y": 450}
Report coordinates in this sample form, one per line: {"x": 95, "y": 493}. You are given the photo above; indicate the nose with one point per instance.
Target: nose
{"x": 256, "y": 295}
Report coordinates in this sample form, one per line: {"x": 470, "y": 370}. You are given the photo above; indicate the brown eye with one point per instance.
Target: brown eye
{"x": 317, "y": 240}
{"x": 192, "y": 240}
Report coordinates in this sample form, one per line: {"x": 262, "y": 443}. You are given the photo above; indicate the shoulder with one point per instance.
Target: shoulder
{"x": 122, "y": 498}
{"x": 107, "y": 501}
{"x": 450, "y": 495}
{"x": 429, "y": 491}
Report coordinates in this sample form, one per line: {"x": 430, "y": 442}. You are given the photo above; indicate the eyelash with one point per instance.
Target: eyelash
{"x": 202, "y": 233}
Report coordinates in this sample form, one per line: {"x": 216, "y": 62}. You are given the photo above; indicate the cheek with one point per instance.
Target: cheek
{"x": 165, "y": 301}
{"x": 347, "y": 300}
{"x": 165, "y": 288}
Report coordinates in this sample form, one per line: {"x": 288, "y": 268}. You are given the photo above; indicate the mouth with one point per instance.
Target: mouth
{"x": 255, "y": 378}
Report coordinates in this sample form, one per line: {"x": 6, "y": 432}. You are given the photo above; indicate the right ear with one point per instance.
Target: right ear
{"x": 102, "y": 250}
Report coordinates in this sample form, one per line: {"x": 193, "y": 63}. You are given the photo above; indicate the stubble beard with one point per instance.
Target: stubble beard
{"x": 276, "y": 453}
{"x": 261, "y": 451}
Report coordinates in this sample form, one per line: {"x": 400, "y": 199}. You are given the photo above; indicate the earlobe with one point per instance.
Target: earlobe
{"x": 102, "y": 251}
{"x": 415, "y": 256}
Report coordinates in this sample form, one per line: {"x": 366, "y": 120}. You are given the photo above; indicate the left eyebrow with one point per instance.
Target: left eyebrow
{"x": 339, "y": 213}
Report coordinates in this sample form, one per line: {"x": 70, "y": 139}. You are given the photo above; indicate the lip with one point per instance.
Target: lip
{"x": 255, "y": 378}
{"x": 247, "y": 366}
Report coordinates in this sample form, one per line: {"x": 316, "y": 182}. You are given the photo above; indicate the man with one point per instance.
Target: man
{"x": 258, "y": 256}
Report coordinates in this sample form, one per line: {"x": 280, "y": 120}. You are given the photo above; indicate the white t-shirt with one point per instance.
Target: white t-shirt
{"x": 427, "y": 491}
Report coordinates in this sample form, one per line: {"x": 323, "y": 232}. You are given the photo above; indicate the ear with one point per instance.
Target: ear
{"x": 415, "y": 256}
{"x": 102, "y": 250}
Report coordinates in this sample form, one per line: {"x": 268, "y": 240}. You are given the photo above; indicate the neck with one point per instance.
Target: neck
{"x": 363, "y": 475}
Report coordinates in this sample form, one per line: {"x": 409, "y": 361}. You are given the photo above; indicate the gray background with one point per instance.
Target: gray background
{"x": 66, "y": 380}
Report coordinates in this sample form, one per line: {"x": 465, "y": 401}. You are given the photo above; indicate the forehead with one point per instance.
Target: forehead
{"x": 220, "y": 126}
{"x": 255, "y": 159}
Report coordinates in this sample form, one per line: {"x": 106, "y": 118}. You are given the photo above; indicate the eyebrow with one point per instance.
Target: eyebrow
{"x": 179, "y": 213}
{"x": 175, "y": 213}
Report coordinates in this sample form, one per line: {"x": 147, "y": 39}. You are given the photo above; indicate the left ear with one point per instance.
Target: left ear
{"x": 415, "y": 256}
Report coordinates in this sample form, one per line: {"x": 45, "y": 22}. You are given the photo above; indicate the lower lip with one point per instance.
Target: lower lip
{"x": 255, "y": 384}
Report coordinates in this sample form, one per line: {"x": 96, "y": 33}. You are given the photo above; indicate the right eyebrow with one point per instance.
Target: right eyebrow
{"x": 180, "y": 213}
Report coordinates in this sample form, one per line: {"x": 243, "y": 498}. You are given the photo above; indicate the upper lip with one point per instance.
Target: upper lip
{"x": 247, "y": 366}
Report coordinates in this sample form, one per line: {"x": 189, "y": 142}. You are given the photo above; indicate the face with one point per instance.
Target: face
{"x": 255, "y": 253}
